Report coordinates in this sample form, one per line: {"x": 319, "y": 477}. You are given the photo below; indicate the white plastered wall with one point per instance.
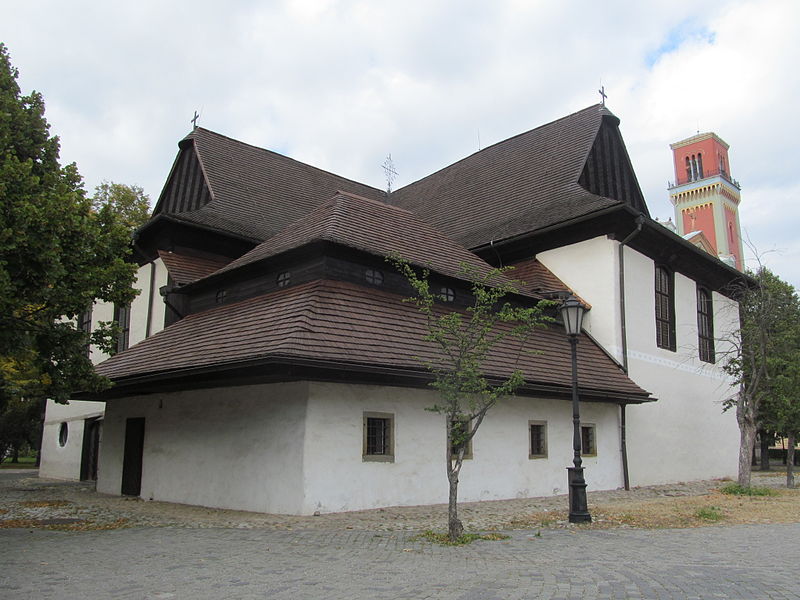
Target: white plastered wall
{"x": 337, "y": 479}
{"x": 64, "y": 462}
{"x": 684, "y": 435}
{"x": 239, "y": 447}
{"x": 590, "y": 268}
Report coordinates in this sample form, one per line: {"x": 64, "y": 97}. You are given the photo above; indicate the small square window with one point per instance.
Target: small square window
{"x": 283, "y": 279}
{"x": 447, "y": 294}
{"x": 538, "y": 439}
{"x": 461, "y": 427}
{"x": 588, "y": 440}
{"x": 374, "y": 276}
{"x": 378, "y": 437}
{"x": 220, "y": 297}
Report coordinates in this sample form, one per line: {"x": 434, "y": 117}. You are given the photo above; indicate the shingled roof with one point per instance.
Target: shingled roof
{"x": 228, "y": 185}
{"x": 373, "y": 227}
{"x": 185, "y": 268}
{"x": 516, "y": 186}
{"x": 347, "y": 324}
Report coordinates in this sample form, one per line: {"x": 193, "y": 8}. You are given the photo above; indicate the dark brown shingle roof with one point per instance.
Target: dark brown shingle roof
{"x": 185, "y": 268}
{"x": 516, "y": 186}
{"x": 372, "y": 227}
{"x": 346, "y": 323}
{"x": 255, "y": 192}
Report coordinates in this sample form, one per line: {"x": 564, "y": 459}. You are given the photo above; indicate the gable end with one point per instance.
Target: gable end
{"x": 608, "y": 171}
{"x": 186, "y": 189}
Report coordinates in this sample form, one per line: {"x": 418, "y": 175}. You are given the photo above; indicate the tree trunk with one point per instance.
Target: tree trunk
{"x": 790, "y": 461}
{"x": 765, "y": 442}
{"x": 454, "y": 527}
{"x": 747, "y": 438}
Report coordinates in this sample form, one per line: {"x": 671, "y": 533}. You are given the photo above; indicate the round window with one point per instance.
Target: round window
{"x": 63, "y": 434}
{"x": 448, "y": 294}
{"x": 374, "y": 277}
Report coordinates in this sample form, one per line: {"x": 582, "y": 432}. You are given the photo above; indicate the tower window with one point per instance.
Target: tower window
{"x": 700, "y": 165}
{"x": 665, "y": 309}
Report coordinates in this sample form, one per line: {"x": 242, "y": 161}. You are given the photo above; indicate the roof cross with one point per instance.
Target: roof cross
{"x": 391, "y": 174}
{"x": 194, "y": 120}
{"x": 603, "y": 95}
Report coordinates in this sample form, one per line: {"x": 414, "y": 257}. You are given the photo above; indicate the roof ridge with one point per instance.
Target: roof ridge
{"x": 373, "y": 201}
{"x": 513, "y": 137}
{"x": 282, "y": 156}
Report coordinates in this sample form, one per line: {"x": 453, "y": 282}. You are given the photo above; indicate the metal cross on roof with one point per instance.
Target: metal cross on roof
{"x": 194, "y": 120}
{"x": 391, "y": 174}
{"x": 603, "y": 95}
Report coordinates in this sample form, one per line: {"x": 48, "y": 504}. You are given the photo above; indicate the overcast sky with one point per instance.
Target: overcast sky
{"x": 342, "y": 84}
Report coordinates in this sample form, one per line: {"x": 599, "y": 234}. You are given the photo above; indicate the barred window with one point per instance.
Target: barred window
{"x": 461, "y": 427}
{"x": 665, "y": 309}
{"x": 122, "y": 317}
{"x": 378, "y": 437}
{"x": 538, "y": 439}
{"x": 705, "y": 325}
{"x": 588, "y": 440}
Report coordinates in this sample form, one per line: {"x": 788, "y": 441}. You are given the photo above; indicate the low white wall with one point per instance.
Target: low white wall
{"x": 64, "y": 462}
{"x": 337, "y": 478}
{"x": 237, "y": 448}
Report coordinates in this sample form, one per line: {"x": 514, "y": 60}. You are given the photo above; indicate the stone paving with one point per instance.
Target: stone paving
{"x": 82, "y": 502}
{"x": 332, "y": 556}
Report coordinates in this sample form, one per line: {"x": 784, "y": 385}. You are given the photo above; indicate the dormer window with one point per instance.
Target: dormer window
{"x": 220, "y": 297}
{"x": 283, "y": 279}
{"x": 374, "y": 277}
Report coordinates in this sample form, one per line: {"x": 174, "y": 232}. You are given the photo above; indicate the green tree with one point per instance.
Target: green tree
{"x": 465, "y": 340}
{"x": 57, "y": 255}
{"x": 763, "y": 349}
{"x": 128, "y": 202}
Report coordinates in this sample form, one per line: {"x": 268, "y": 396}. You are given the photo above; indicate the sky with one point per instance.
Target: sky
{"x": 343, "y": 84}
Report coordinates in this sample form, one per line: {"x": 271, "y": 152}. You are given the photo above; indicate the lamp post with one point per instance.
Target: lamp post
{"x": 572, "y": 312}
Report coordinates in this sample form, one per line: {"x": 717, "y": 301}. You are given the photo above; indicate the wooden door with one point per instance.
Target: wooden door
{"x": 132, "y": 459}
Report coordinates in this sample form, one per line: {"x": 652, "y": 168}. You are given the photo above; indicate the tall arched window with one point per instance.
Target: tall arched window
{"x": 705, "y": 325}
{"x": 665, "y": 309}
{"x": 700, "y": 166}
{"x": 688, "y": 170}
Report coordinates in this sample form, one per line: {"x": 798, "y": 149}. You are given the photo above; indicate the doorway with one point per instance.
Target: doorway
{"x": 132, "y": 459}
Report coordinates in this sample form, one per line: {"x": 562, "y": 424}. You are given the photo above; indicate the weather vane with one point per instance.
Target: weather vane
{"x": 391, "y": 174}
{"x": 194, "y": 120}
{"x": 603, "y": 95}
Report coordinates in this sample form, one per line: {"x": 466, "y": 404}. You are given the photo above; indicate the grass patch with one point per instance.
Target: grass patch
{"x": 709, "y": 513}
{"x": 25, "y": 462}
{"x": 734, "y": 489}
{"x": 465, "y": 538}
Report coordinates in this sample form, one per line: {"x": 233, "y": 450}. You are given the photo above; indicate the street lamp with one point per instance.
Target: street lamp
{"x": 572, "y": 312}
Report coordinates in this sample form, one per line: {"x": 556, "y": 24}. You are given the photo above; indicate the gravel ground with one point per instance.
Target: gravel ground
{"x": 29, "y": 501}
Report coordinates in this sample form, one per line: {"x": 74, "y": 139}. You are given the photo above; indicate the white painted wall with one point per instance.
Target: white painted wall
{"x": 337, "y": 478}
{"x": 64, "y": 462}
{"x": 591, "y": 268}
{"x": 239, "y": 448}
{"x": 685, "y": 435}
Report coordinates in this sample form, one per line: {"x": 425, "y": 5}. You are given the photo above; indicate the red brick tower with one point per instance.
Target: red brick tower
{"x": 706, "y": 197}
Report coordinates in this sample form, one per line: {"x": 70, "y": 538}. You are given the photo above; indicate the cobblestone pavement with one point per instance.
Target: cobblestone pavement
{"x": 334, "y": 556}
{"x": 80, "y": 501}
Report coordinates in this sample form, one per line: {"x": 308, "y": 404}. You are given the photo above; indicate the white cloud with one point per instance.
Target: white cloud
{"x": 340, "y": 84}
